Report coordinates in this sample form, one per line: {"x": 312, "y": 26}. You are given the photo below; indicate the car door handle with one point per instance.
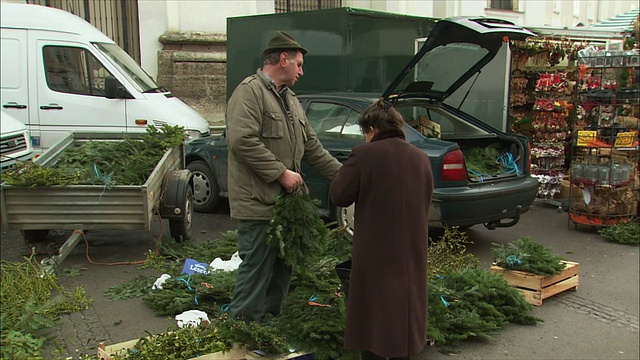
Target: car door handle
{"x": 13, "y": 105}
{"x": 51, "y": 107}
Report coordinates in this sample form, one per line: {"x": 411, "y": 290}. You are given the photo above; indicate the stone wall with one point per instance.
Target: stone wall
{"x": 193, "y": 66}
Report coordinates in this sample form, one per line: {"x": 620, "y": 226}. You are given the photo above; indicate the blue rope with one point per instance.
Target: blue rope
{"x": 513, "y": 260}
{"x": 508, "y": 164}
{"x": 476, "y": 174}
{"x": 446, "y": 304}
{"x": 195, "y": 298}
{"x": 105, "y": 179}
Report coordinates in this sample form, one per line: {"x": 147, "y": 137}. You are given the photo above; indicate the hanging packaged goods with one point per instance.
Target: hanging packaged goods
{"x": 604, "y": 161}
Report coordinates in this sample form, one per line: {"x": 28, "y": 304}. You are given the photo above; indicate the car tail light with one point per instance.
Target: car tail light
{"x": 453, "y": 168}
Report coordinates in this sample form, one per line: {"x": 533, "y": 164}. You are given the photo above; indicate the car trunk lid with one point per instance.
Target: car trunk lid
{"x": 456, "y": 49}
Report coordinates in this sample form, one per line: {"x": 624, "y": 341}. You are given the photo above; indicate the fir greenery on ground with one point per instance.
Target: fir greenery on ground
{"x": 465, "y": 301}
{"x": 32, "y": 302}
{"x": 622, "y": 233}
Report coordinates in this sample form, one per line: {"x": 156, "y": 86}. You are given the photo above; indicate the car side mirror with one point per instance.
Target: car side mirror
{"x": 114, "y": 90}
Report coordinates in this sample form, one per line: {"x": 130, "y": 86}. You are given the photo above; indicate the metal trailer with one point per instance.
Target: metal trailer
{"x": 35, "y": 211}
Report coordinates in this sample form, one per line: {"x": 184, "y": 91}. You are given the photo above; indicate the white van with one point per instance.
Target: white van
{"x": 15, "y": 143}
{"x": 61, "y": 74}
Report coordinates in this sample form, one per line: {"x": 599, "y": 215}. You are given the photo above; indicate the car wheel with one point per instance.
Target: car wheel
{"x": 344, "y": 217}
{"x": 204, "y": 187}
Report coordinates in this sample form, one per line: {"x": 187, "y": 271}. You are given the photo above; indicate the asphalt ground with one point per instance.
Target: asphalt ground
{"x": 598, "y": 321}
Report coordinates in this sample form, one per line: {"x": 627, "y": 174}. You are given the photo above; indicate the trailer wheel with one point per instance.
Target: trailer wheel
{"x": 35, "y": 235}
{"x": 181, "y": 228}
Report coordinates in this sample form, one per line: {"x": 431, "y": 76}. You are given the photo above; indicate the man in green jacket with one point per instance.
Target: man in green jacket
{"x": 268, "y": 137}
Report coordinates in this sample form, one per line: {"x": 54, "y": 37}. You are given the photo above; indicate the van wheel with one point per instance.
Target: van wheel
{"x": 181, "y": 228}
{"x": 344, "y": 217}
{"x": 204, "y": 187}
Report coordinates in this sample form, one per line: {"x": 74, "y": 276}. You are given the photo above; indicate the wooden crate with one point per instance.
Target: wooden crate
{"x": 536, "y": 288}
{"x": 238, "y": 352}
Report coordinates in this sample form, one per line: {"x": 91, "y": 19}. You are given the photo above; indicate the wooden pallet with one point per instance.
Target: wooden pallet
{"x": 536, "y": 288}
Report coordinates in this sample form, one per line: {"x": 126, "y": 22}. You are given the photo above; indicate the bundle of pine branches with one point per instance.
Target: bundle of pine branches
{"x": 126, "y": 162}
{"x": 297, "y": 230}
{"x": 524, "y": 254}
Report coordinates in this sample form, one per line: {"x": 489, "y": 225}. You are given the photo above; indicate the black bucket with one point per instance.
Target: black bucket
{"x": 344, "y": 274}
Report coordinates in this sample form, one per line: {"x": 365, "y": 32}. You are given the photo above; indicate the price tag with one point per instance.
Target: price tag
{"x": 585, "y": 136}
{"x": 625, "y": 139}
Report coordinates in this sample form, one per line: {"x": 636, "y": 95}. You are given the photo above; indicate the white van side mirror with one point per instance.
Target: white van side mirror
{"x": 114, "y": 90}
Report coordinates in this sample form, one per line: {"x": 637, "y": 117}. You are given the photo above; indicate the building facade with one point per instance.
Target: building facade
{"x": 182, "y": 43}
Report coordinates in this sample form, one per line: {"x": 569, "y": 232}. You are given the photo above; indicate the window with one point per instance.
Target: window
{"x": 282, "y": 6}
{"x": 504, "y": 4}
{"x": 433, "y": 122}
{"x": 74, "y": 70}
{"x": 333, "y": 121}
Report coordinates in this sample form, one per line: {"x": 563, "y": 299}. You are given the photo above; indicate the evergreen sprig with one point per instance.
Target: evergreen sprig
{"x": 256, "y": 336}
{"x": 178, "y": 344}
{"x": 206, "y": 292}
{"x": 96, "y": 162}
{"x": 526, "y": 255}
{"x": 450, "y": 253}
{"x": 473, "y": 303}
{"x": 29, "y": 174}
{"x": 622, "y": 233}
{"x": 134, "y": 288}
{"x": 32, "y": 301}
{"x": 297, "y": 230}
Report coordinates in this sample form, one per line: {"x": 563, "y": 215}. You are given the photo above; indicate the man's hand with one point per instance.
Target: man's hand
{"x": 290, "y": 180}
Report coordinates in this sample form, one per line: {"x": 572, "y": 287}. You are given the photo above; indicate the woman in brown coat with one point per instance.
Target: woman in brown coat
{"x": 391, "y": 183}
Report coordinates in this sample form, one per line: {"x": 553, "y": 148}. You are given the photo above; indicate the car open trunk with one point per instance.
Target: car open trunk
{"x": 493, "y": 158}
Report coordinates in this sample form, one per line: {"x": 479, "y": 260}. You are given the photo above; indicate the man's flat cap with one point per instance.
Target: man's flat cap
{"x": 283, "y": 42}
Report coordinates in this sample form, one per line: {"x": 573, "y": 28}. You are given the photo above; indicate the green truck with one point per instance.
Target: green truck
{"x": 350, "y": 50}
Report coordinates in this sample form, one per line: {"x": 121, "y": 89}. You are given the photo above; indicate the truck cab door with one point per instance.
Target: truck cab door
{"x": 14, "y": 75}
{"x": 71, "y": 92}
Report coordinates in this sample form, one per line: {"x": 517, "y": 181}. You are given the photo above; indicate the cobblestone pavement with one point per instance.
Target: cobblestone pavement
{"x": 598, "y": 321}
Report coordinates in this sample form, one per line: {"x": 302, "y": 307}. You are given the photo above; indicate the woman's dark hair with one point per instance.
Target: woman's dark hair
{"x": 382, "y": 116}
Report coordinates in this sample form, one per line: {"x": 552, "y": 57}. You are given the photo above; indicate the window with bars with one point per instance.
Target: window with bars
{"x": 504, "y": 4}
{"x": 118, "y": 19}
{"x": 283, "y": 6}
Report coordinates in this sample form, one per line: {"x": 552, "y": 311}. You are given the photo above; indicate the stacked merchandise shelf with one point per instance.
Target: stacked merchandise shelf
{"x": 604, "y": 161}
{"x": 550, "y": 129}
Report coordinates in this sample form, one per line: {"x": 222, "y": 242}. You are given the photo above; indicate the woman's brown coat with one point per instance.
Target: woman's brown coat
{"x": 391, "y": 183}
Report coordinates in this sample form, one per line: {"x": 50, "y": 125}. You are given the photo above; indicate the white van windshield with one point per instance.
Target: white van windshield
{"x": 129, "y": 68}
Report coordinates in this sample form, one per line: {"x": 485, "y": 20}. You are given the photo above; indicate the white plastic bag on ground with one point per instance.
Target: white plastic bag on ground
{"x": 160, "y": 281}
{"x": 228, "y": 265}
{"x": 191, "y": 318}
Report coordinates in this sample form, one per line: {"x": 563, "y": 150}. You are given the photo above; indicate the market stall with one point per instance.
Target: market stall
{"x": 549, "y": 82}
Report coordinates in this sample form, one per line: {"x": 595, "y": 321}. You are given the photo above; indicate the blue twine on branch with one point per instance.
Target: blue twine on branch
{"x": 446, "y": 304}
{"x": 105, "y": 179}
{"x": 195, "y": 298}
{"x": 513, "y": 260}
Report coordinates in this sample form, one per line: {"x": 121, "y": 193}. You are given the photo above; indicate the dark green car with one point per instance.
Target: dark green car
{"x": 481, "y": 175}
